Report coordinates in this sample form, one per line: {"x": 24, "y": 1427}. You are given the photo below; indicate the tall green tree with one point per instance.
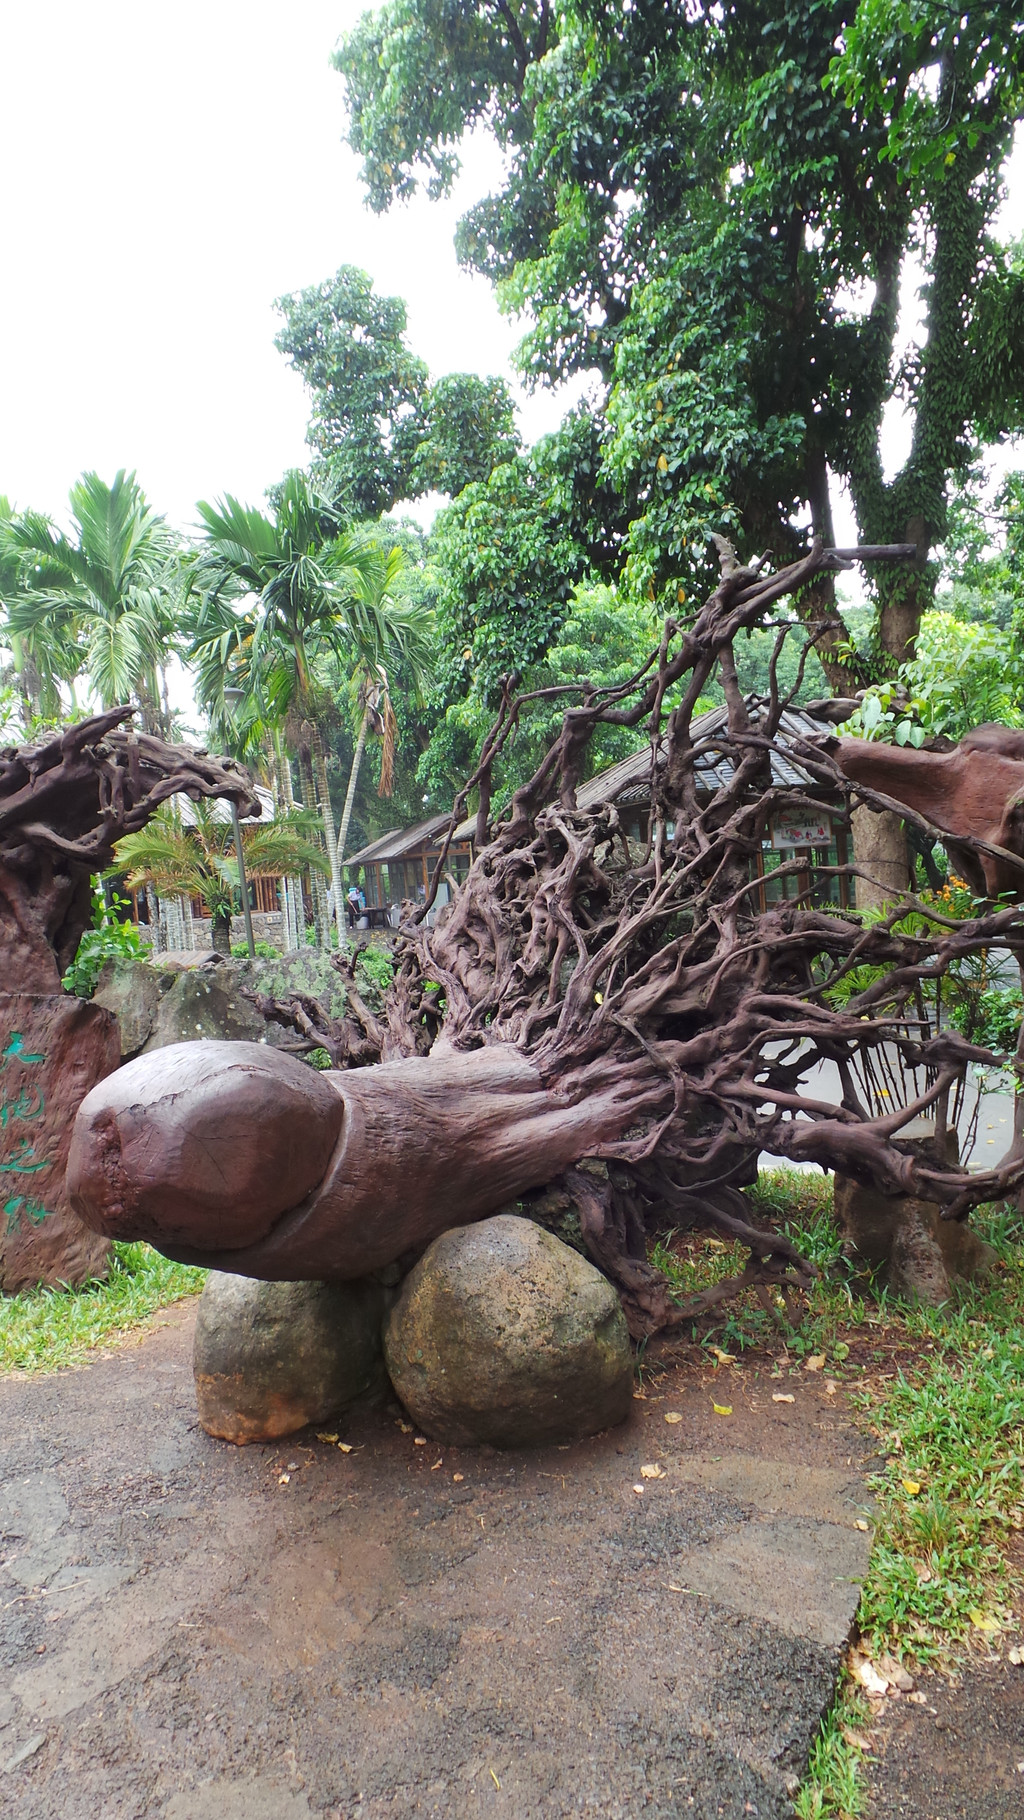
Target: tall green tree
{"x": 712, "y": 209}
{"x": 101, "y": 602}
{"x": 279, "y": 593}
{"x": 715, "y": 211}
{"x": 38, "y": 687}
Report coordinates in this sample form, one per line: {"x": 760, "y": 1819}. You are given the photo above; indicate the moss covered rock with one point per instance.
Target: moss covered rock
{"x": 503, "y": 1335}
{"x": 271, "y": 1357}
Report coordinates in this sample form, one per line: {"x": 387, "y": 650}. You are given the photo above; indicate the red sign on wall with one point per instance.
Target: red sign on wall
{"x": 802, "y": 831}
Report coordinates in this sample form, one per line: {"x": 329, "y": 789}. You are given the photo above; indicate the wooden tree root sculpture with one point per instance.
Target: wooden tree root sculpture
{"x": 244, "y": 1159}
{"x": 64, "y": 802}
{"x": 630, "y": 1025}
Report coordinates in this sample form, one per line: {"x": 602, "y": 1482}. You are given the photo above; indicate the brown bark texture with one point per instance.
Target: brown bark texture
{"x": 64, "y": 802}
{"x": 883, "y": 864}
{"x": 629, "y": 1026}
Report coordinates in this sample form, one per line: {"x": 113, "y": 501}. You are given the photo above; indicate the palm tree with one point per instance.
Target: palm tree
{"x": 370, "y": 681}
{"x": 198, "y": 860}
{"x": 281, "y": 593}
{"x": 108, "y": 594}
{"x": 54, "y": 655}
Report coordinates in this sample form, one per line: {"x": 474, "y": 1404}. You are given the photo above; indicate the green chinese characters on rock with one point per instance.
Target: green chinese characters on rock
{"x": 22, "y": 1207}
{"x": 21, "y": 1103}
{"x": 53, "y": 1048}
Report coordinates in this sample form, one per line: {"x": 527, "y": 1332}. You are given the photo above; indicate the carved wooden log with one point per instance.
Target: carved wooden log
{"x": 240, "y": 1157}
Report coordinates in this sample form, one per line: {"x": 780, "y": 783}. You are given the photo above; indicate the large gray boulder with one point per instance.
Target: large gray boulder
{"x": 503, "y": 1335}
{"x": 271, "y": 1357}
{"x": 132, "y": 990}
{"x": 205, "y": 1002}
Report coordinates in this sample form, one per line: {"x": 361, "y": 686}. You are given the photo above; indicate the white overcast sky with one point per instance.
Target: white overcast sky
{"x": 168, "y": 171}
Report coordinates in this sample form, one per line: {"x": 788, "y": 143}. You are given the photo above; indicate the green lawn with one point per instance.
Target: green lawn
{"x": 44, "y": 1329}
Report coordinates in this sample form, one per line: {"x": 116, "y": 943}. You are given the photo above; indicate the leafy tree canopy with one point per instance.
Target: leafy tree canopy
{"x": 380, "y": 430}
{"x": 602, "y": 635}
{"x": 711, "y": 210}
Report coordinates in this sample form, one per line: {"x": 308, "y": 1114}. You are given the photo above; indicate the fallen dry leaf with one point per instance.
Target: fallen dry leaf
{"x": 830, "y": 1387}
{"x": 783, "y": 1396}
{"x": 724, "y": 1358}
{"x": 984, "y": 1621}
{"x": 1015, "y": 1655}
{"x": 330, "y": 1439}
{"x": 722, "y": 1409}
{"x": 911, "y": 1487}
{"x": 651, "y": 1472}
{"x": 344, "y": 1447}
{"x": 866, "y": 1674}
{"x": 895, "y": 1674}
{"x": 815, "y": 1362}
{"x": 857, "y": 1739}
{"x": 672, "y": 1415}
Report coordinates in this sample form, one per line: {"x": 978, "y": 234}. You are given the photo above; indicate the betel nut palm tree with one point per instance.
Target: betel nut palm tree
{"x": 280, "y": 593}
{"x": 197, "y": 859}
{"x": 100, "y": 602}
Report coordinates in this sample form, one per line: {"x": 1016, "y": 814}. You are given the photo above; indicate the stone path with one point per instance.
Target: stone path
{"x": 406, "y": 1630}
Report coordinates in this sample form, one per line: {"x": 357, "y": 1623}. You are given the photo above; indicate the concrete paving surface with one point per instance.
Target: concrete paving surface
{"x": 194, "y": 1631}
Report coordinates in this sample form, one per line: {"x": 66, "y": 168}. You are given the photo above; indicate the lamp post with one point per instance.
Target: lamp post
{"x": 234, "y": 696}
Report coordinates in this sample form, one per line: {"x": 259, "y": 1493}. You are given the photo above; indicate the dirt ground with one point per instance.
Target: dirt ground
{"x": 201, "y": 1632}
{"x": 958, "y": 1757}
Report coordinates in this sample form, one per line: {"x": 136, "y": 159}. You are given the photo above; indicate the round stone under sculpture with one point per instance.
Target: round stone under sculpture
{"x": 270, "y": 1357}
{"x": 503, "y": 1335}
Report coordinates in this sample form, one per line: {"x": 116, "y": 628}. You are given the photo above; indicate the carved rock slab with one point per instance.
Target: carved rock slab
{"x": 53, "y": 1049}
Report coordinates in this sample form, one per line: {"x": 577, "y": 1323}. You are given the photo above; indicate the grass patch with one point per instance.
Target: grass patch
{"x": 45, "y": 1329}
{"x": 949, "y": 1417}
{"x": 834, "y": 1787}
{"x": 941, "y": 1391}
